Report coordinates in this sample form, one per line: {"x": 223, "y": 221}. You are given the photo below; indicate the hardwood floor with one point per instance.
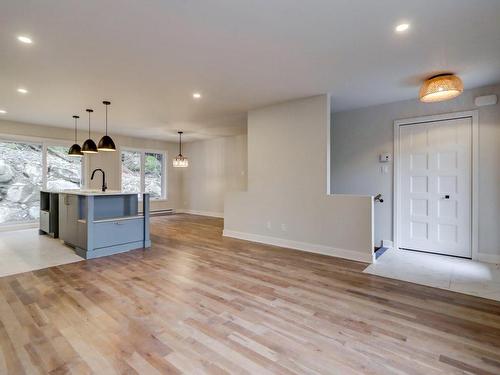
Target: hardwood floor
{"x": 201, "y": 303}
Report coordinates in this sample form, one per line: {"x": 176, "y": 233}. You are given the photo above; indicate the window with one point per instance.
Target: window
{"x": 20, "y": 181}
{"x": 26, "y": 168}
{"x": 144, "y": 171}
{"x": 153, "y": 172}
{"x": 131, "y": 171}
{"x": 63, "y": 171}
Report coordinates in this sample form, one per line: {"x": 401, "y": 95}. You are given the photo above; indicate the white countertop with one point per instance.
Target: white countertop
{"x": 90, "y": 192}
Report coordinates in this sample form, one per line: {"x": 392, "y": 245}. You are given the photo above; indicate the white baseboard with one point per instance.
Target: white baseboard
{"x": 201, "y": 213}
{"x": 11, "y": 227}
{"x": 303, "y": 246}
{"x": 488, "y": 258}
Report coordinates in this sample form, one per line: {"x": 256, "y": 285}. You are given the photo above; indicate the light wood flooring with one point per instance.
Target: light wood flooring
{"x": 200, "y": 303}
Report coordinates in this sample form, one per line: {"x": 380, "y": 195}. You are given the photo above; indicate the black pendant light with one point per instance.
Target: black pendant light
{"x": 89, "y": 146}
{"x": 75, "y": 150}
{"x": 106, "y": 143}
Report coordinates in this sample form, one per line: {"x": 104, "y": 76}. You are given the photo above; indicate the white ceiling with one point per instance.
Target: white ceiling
{"x": 148, "y": 57}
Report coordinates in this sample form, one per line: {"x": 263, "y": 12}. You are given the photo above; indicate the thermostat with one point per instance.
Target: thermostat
{"x": 384, "y": 157}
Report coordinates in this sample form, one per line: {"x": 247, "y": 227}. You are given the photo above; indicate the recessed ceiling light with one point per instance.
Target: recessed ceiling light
{"x": 22, "y": 90}
{"x": 196, "y": 95}
{"x": 24, "y": 39}
{"x": 402, "y": 27}
{"x": 3, "y": 111}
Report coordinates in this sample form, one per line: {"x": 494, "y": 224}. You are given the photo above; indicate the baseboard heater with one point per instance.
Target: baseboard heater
{"x": 164, "y": 212}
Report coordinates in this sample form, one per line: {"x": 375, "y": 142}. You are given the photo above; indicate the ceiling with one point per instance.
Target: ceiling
{"x": 148, "y": 57}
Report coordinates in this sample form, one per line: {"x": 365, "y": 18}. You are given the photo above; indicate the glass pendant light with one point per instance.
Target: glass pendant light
{"x": 441, "y": 87}
{"x": 89, "y": 146}
{"x": 180, "y": 161}
{"x": 106, "y": 143}
{"x": 75, "y": 150}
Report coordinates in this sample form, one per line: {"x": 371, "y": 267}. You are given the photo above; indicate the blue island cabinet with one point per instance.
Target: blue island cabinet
{"x": 100, "y": 224}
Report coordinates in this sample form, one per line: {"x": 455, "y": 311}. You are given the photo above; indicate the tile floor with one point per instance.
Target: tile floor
{"x": 456, "y": 274}
{"x": 25, "y": 250}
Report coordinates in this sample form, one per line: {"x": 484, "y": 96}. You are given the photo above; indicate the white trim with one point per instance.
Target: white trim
{"x": 488, "y": 258}
{"x": 302, "y": 246}
{"x": 20, "y": 226}
{"x": 201, "y": 213}
{"x": 474, "y": 116}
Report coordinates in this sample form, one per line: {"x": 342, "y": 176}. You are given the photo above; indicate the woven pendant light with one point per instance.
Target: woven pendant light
{"x": 441, "y": 87}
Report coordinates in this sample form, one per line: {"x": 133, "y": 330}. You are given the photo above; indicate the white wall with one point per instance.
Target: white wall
{"x": 108, "y": 161}
{"x": 287, "y": 202}
{"x": 216, "y": 167}
{"x": 358, "y": 137}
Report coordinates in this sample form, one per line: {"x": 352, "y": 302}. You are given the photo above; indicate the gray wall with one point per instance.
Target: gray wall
{"x": 216, "y": 166}
{"x": 358, "y": 137}
{"x": 287, "y": 202}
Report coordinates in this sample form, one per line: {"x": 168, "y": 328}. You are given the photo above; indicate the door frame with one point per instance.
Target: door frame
{"x": 396, "y": 216}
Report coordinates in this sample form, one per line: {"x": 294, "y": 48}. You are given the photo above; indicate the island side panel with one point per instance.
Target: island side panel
{"x": 89, "y": 220}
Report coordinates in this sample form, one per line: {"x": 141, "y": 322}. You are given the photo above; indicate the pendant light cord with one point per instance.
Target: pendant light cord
{"x": 75, "y": 132}
{"x": 180, "y": 144}
{"x": 106, "y": 119}
{"x": 89, "y": 124}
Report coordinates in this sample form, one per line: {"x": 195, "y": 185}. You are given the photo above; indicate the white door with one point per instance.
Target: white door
{"x": 435, "y": 182}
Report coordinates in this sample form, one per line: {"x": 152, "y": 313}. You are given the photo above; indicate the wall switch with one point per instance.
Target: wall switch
{"x": 283, "y": 227}
{"x": 269, "y": 226}
{"x": 384, "y": 169}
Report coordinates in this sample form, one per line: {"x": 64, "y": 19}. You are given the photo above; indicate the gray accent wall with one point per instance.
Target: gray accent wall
{"x": 359, "y": 136}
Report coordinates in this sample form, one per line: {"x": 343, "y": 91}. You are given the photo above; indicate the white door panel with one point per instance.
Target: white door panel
{"x": 436, "y": 186}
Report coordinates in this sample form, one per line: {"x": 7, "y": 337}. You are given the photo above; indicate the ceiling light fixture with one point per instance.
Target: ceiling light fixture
{"x": 89, "y": 146}
{"x": 441, "y": 87}
{"x": 3, "y": 111}
{"x": 402, "y": 27}
{"x": 106, "y": 143}
{"x": 75, "y": 150}
{"x": 180, "y": 161}
{"x": 196, "y": 95}
{"x": 22, "y": 90}
{"x": 25, "y": 39}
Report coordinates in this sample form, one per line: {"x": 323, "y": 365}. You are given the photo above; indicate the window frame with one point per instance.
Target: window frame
{"x": 164, "y": 169}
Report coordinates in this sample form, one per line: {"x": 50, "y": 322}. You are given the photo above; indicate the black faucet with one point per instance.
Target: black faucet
{"x": 104, "y": 187}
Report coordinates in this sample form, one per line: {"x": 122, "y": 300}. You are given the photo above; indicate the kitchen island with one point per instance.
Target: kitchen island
{"x": 97, "y": 223}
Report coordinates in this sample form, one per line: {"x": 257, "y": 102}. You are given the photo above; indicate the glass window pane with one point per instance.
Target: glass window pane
{"x": 63, "y": 171}
{"x": 20, "y": 182}
{"x": 153, "y": 170}
{"x": 131, "y": 171}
